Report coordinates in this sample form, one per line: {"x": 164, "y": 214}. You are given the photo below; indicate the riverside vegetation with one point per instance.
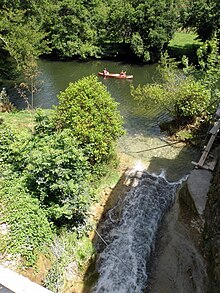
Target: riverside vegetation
{"x": 49, "y": 175}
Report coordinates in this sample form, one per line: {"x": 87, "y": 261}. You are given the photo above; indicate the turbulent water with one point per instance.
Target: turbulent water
{"x": 128, "y": 234}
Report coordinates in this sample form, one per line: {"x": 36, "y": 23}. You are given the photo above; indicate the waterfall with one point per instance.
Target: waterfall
{"x": 129, "y": 234}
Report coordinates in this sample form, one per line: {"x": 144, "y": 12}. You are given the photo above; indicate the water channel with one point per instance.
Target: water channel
{"x": 123, "y": 264}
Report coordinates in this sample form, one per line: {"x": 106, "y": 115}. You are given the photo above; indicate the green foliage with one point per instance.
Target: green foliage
{"x": 46, "y": 177}
{"x": 120, "y": 15}
{"x": 184, "y": 97}
{"x": 5, "y": 104}
{"x": 70, "y": 254}
{"x": 54, "y": 169}
{"x": 22, "y": 40}
{"x": 44, "y": 123}
{"x": 209, "y": 59}
{"x": 193, "y": 100}
{"x": 57, "y": 173}
{"x": 83, "y": 28}
{"x": 71, "y": 29}
{"x": 28, "y": 230}
{"x": 21, "y": 37}
{"x": 88, "y": 110}
{"x": 6, "y": 138}
{"x": 137, "y": 45}
{"x": 204, "y": 16}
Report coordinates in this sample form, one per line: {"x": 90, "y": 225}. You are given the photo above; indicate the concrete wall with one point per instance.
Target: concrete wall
{"x": 11, "y": 282}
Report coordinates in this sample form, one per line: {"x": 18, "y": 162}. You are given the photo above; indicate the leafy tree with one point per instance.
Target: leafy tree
{"x": 22, "y": 40}
{"x": 204, "y": 16}
{"x": 89, "y": 111}
{"x": 119, "y": 21}
{"x": 154, "y": 24}
{"x": 71, "y": 29}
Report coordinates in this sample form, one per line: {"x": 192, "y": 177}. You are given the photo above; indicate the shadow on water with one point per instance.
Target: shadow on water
{"x": 153, "y": 204}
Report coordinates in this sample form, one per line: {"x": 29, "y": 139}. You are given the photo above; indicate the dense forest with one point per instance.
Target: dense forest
{"x": 96, "y": 28}
{"x": 49, "y": 175}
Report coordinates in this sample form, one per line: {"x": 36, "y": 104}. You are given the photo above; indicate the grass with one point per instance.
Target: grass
{"x": 21, "y": 122}
{"x": 182, "y": 39}
{"x": 184, "y": 44}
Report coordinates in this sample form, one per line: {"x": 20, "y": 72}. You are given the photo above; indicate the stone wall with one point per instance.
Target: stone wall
{"x": 211, "y": 234}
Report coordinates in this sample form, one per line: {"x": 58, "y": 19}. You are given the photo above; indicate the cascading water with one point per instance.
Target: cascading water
{"x": 129, "y": 232}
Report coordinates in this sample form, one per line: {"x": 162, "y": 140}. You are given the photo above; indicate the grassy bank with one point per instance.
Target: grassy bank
{"x": 21, "y": 122}
{"x": 184, "y": 43}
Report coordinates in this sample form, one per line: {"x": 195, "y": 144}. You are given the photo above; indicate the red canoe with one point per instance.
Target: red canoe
{"x": 116, "y": 75}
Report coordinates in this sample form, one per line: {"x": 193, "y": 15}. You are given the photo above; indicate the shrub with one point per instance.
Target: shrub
{"x": 28, "y": 230}
{"x": 7, "y": 137}
{"x": 180, "y": 94}
{"x": 58, "y": 175}
{"x": 89, "y": 111}
{"x": 193, "y": 100}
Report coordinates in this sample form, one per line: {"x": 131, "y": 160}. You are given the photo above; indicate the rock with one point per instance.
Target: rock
{"x": 195, "y": 189}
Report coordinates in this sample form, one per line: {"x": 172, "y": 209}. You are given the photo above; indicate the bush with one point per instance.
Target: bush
{"x": 89, "y": 111}
{"x": 7, "y": 137}
{"x": 5, "y": 104}
{"x": 180, "y": 94}
{"x": 58, "y": 175}
{"x": 28, "y": 230}
{"x": 192, "y": 101}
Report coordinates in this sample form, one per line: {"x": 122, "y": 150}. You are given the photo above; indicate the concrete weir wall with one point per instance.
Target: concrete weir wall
{"x": 11, "y": 282}
{"x": 195, "y": 189}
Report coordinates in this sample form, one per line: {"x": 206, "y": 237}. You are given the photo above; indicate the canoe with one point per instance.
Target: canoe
{"x": 116, "y": 75}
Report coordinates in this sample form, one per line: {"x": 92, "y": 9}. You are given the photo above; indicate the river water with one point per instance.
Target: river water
{"x": 124, "y": 262}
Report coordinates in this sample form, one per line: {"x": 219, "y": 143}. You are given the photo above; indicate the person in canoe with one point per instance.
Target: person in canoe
{"x": 105, "y": 72}
{"x": 123, "y": 73}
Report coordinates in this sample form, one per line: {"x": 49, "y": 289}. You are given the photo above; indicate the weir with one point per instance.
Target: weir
{"x": 129, "y": 233}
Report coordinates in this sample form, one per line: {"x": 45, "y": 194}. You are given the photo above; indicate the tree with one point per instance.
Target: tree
{"x": 119, "y": 21}
{"x": 154, "y": 24}
{"x": 204, "y": 16}
{"x": 23, "y": 41}
{"x": 89, "y": 111}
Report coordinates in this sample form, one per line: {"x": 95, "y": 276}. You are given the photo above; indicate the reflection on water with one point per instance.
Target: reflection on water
{"x": 143, "y": 137}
